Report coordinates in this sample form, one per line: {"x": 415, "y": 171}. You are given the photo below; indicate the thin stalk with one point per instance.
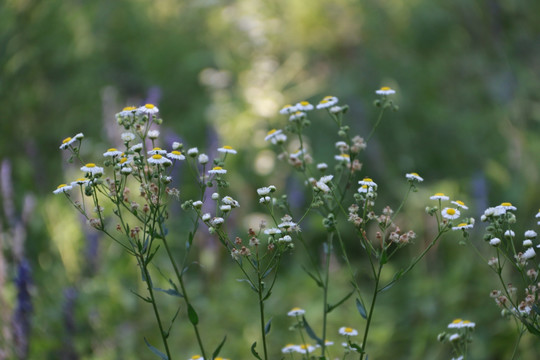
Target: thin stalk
{"x": 261, "y": 308}
{"x": 371, "y": 310}
{"x": 376, "y": 125}
{"x": 514, "y": 352}
{"x": 325, "y": 291}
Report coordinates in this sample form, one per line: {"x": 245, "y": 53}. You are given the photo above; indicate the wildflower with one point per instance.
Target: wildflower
{"x": 439, "y": 196}
{"x": 157, "y": 159}
{"x": 456, "y": 324}
{"x": 509, "y": 233}
{"x": 527, "y": 243}
{"x": 153, "y": 134}
{"x": 279, "y": 139}
{"x": 176, "y": 155}
{"x": 272, "y": 231}
{"x": 286, "y": 238}
{"x": 80, "y": 181}
{"x": 385, "y": 90}
{"x": 128, "y": 111}
{"x": 127, "y": 137}
{"x": 322, "y": 187}
{"x": 196, "y": 357}
{"x": 342, "y": 146}
{"x": 297, "y": 116}
{"x": 176, "y": 145}
{"x": 230, "y": 201}
{"x": 148, "y": 109}
{"x": 289, "y": 348}
{"x": 454, "y": 337}
{"x": 206, "y": 217}
{"x": 225, "y": 208}
{"x": 347, "y": 331}
{"x": 305, "y": 348}
{"x": 530, "y": 234}
{"x": 157, "y": 151}
{"x": 322, "y": 166}
{"x": 414, "y": 177}
{"x": 364, "y": 189}
{"x": 215, "y": 196}
{"x": 265, "y": 200}
{"x": 296, "y": 311}
{"x": 460, "y": 204}
{"x": 70, "y": 140}
{"x": 197, "y": 204}
{"x": 254, "y": 241}
{"x": 287, "y": 109}
{"x": 112, "y": 152}
{"x": 343, "y": 157}
{"x": 263, "y": 191}
{"x": 272, "y": 134}
{"x": 528, "y": 254}
{"x": 508, "y": 206}
{"x": 203, "y": 159}
{"x": 463, "y": 226}
{"x": 137, "y": 147}
{"x": 217, "y": 221}
{"x": 126, "y": 170}
{"x": 495, "y": 242}
{"x": 193, "y": 152}
{"x": 92, "y": 169}
{"x": 337, "y": 109}
{"x": 368, "y": 181}
{"x": 217, "y": 170}
{"x": 304, "y": 106}
{"x": 227, "y": 149}
{"x": 450, "y": 213}
{"x": 327, "y": 101}
{"x": 62, "y": 188}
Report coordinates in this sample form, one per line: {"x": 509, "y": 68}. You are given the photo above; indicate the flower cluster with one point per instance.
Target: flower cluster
{"x": 460, "y": 337}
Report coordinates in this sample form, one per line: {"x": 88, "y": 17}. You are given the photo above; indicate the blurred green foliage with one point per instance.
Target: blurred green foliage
{"x": 467, "y": 80}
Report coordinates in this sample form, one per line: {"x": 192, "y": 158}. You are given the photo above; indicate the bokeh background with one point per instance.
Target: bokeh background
{"x": 467, "y": 79}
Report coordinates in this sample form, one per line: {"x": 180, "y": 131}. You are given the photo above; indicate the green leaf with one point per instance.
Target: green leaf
{"x": 267, "y": 295}
{"x": 172, "y": 322}
{"x": 249, "y": 282}
{"x": 190, "y": 240}
{"x": 254, "y": 352}
{"x": 396, "y": 277}
{"x": 267, "y": 272}
{"x": 151, "y": 256}
{"x": 218, "y": 349}
{"x": 330, "y": 307}
{"x": 156, "y": 351}
{"x": 536, "y": 309}
{"x": 192, "y": 314}
{"x": 268, "y": 326}
{"x": 172, "y": 292}
{"x": 143, "y": 298}
{"x": 319, "y": 283}
{"x": 310, "y": 332}
{"x": 384, "y": 257}
{"x": 361, "y": 308}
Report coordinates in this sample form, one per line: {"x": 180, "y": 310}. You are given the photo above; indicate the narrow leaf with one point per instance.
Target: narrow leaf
{"x": 267, "y": 295}
{"x": 143, "y": 298}
{"x": 319, "y": 283}
{"x": 218, "y": 349}
{"x": 192, "y": 314}
{"x": 396, "y": 277}
{"x": 268, "y": 326}
{"x": 172, "y": 322}
{"x": 249, "y": 282}
{"x": 172, "y": 292}
{"x": 330, "y": 307}
{"x": 161, "y": 355}
{"x": 254, "y": 352}
{"x": 361, "y": 308}
{"x": 311, "y": 333}
{"x": 151, "y": 256}
{"x": 268, "y": 272}
{"x": 384, "y": 257}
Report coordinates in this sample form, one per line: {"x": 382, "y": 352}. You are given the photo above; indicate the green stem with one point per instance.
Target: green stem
{"x": 376, "y": 124}
{"x": 261, "y": 308}
{"x": 514, "y": 352}
{"x": 325, "y": 290}
{"x": 371, "y": 310}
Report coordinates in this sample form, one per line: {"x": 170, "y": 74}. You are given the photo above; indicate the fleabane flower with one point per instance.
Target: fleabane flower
{"x": 463, "y": 226}
{"x": 136, "y": 148}
{"x": 196, "y": 357}
{"x": 193, "y": 152}
{"x": 67, "y": 142}
{"x": 460, "y": 204}
{"x": 327, "y": 101}
{"x": 289, "y": 348}
{"x": 127, "y": 137}
{"x": 322, "y": 166}
{"x": 297, "y": 116}
{"x": 287, "y": 109}
{"x": 347, "y": 331}
{"x": 80, "y": 181}
{"x": 203, "y": 159}
{"x": 158, "y": 159}
{"x": 385, "y": 90}
{"x": 272, "y": 231}
{"x": 148, "y": 109}
{"x": 528, "y": 254}
{"x": 450, "y": 213}
{"x": 414, "y": 177}
{"x": 157, "y": 150}
{"x": 367, "y": 181}
{"x": 508, "y": 206}
{"x": 62, "y": 188}
{"x": 495, "y": 242}
{"x": 272, "y": 134}
{"x": 304, "y": 106}
{"x": 305, "y": 348}
{"x": 128, "y": 111}
{"x": 153, "y": 134}
{"x": 364, "y": 189}
{"x": 176, "y": 155}
{"x": 264, "y": 191}
{"x": 217, "y": 170}
{"x": 92, "y": 169}
{"x": 296, "y": 311}
{"x": 509, "y": 233}
{"x": 530, "y": 234}
{"x": 343, "y": 158}
{"x": 227, "y": 150}
{"x": 439, "y": 196}
{"x": 112, "y": 152}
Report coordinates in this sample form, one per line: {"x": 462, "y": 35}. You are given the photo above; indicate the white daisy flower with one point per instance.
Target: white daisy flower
{"x": 468, "y": 324}
{"x": 347, "y": 331}
{"x": 367, "y": 181}
{"x": 176, "y": 145}
{"x": 265, "y": 200}
{"x": 157, "y": 151}
{"x": 463, "y": 226}
{"x": 454, "y": 337}
{"x": 217, "y": 170}
{"x": 263, "y": 191}
{"x": 217, "y": 221}
{"x": 80, "y": 181}
{"x": 206, "y": 217}
{"x": 289, "y": 348}
{"x": 227, "y": 149}
{"x": 126, "y": 170}
{"x": 456, "y": 324}
{"x": 279, "y": 139}
{"x": 112, "y": 152}
{"x": 196, "y": 357}
{"x": 175, "y": 155}
{"x": 327, "y": 101}
{"x": 225, "y": 208}
{"x": 460, "y": 204}
{"x": 305, "y": 349}
{"x": 509, "y": 233}
{"x": 296, "y": 311}
{"x": 215, "y": 196}
{"x": 272, "y": 134}
{"x": 527, "y": 243}
{"x": 530, "y": 234}
{"x": 148, "y": 109}
{"x": 364, "y": 189}
{"x": 508, "y": 206}
{"x": 153, "y": 134}
{"x": 137, "y": 147}
{"x": 92, "y": 169}
{"x": 528, "y": 254}
{"x": 537, "y": 215}
{"x": 197, "y": 204}
{"x": 127, "y": 137}
{"x": 67, "y": 142}
{"x": 272, "y": 231}
{"x": 203, "y": 159}
{"x": 450, "y": 213}
{"x": 439, "y": 196}
{"x": 343, "y": 157}
{"x": 336, "y": 109}
{"x": 326, "y": 179}
{"x": 230, "y": 201}
{"x": 128, "y": 111}
{"x": 304, "y": 106}
{"x": 158, "y": 159}
{"x": 286, "y": 238}
{"x": 62, "y": 188}
{"x": 385, "y": 90}
{"x": 193, "y": 152}
{"x": 322, "y": 166}
{"x": 495, "y": 242}
{"x": 297, "y": 116}
{"x": 322, "y": 186}
{"x": 287, "y": 109}
{"x": 414, "y": 177}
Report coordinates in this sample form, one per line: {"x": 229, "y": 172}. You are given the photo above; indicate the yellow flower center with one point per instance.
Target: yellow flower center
{"x": 90, "y": 165}
{"x": 111, "y": 149}
{"x": 304, "y": 346}
{"x": 466, "y": 322}
{"x": 287, "y": 106}
{"x": 66, "y": 140}
{"x": 439, "y": 194}
{"x": 129, "y": 108}
{"x": 295, "y": 309}
{"x": 304, "y": 103}
{"x": 156, "y": 149}
{"x": 348, "y": 330}
{"x": 298, "y": 113}
{"x": 123, "y": 160}
{"x": 217, "y": 168}
{"x": 364, "y": 186}
{"x": 176, "y": 152}
{"x": 328, "y": 97}
{"x": 227, "y": 147}
{"x": 149, "y": 106}
{"x": 196, "y": 357}
{"x": 323, "y": 101}
{"x": 506, "y": 204}
{"x": 367, "y": 180}
{"x": 457, "y": 321}
{"x": 451, "y": 211}
{"x": 460, "y": 202}
{"x": 462, "y": 224}
{"x": 345, "y": 155}
{"x": 81, "y": 180}
{"x": 157, "y": 156}
{"x": 61, "y": 186}
{"x": 271, "y": 132}
{"x": 385, "y": 88}
{"x": 415, "y": 174}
